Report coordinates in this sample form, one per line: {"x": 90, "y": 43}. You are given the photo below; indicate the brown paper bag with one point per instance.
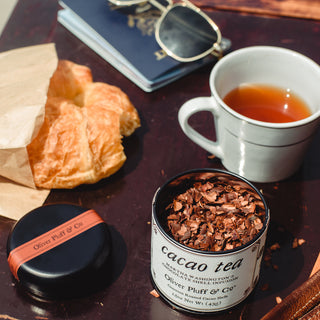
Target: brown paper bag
{"x": 24, "y": 81}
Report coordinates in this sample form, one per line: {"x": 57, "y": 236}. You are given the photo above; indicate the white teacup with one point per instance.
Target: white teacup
{"x": 259, "y": 151}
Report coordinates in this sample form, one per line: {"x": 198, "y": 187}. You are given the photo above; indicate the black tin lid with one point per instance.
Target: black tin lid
{"x": 59, "y": 251}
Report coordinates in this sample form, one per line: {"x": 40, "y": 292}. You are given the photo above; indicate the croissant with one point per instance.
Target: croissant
{"x": 80, "y": 141}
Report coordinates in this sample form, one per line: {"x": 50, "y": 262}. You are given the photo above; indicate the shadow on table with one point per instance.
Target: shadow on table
{"x": 310, "y": 168}
{"x": 83, "y": 304}
{"x": 282, "y": 262}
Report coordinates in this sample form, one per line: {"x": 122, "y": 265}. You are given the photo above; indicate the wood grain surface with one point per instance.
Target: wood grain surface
{"x": 156, "y": 152}
{"x": 307, "y": 9}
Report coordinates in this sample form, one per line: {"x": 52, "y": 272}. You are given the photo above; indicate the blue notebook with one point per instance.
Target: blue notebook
{"x": 124, "y": 36}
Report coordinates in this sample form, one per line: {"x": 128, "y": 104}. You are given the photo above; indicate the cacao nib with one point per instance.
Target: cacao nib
{"x": 215, "y": 214}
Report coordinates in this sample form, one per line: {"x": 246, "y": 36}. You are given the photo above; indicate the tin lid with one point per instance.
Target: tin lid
{"x": 59, "y": 251}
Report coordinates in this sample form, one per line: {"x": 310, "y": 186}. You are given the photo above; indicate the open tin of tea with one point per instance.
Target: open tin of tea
{"x": 208, "y": 235}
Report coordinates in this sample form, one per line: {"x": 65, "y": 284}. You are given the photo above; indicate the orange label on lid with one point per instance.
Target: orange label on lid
{"x": 52, "y": 239}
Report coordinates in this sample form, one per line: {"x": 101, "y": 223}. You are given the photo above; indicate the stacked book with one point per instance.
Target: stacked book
{"x": 124, "y": 36}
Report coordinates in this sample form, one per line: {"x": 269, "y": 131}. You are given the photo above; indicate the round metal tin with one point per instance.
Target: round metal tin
{"x": 59, "y": 251}
{"x": 196, "y": 281}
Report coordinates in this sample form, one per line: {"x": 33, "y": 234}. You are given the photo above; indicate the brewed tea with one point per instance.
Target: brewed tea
{"x": 267, "y": 103}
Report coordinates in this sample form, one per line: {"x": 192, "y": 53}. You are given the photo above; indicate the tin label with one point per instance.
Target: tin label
{"x": 203, "y": 282}
{"x": 52, "y": 239}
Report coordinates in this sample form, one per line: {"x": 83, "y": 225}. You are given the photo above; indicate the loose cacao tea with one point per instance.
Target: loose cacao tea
{"x": 215, "y": 214}
{"x": 208, "y": 235}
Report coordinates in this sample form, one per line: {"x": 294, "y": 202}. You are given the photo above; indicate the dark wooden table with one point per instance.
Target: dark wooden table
{"x": 156, "y": 152}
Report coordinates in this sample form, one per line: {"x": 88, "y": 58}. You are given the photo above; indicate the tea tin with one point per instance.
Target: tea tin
{"x": 198, "y": 281}
{"x": 59, "y": 251}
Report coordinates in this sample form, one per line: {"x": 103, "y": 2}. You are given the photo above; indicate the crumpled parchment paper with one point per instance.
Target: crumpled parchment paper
{"x": 24, "y": 80}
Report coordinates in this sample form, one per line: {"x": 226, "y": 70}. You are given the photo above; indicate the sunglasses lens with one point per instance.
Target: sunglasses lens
{"x": 186, "y": 33}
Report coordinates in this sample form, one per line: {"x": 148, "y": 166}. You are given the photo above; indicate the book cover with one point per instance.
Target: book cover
{"x": 124, "y": 36}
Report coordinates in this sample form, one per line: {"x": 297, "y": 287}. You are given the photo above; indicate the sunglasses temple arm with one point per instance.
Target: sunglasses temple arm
{"x": 191, "y": 5}
{"x": 157, "y": 4}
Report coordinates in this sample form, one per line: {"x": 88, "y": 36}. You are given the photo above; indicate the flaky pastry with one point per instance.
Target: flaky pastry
{"x": 117, "y": 101}
{"x": 80, "y": 141}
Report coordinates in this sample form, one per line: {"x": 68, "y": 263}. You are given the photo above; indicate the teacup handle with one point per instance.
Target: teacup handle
{"x": 196, "y": 105}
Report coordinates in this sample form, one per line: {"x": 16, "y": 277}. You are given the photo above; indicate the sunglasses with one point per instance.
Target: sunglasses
{"x": 183, "y": 31}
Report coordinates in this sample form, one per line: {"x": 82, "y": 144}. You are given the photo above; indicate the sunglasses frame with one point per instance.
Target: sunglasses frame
{"x": 215, "y": 49}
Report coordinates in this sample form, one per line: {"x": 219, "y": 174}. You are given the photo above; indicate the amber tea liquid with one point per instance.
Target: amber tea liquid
{"x": 267, "y": 103}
